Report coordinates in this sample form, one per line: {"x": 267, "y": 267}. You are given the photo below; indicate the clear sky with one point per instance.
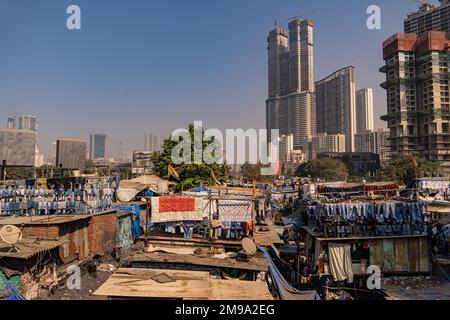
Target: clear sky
{"x": 152, "y": 66}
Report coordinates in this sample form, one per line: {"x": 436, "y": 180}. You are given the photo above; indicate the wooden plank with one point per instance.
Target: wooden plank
{"x": 176, "y": 239}
{"x": 424, "y": 255}
{"x": 138, "y": 283}
{"x": 238, "y": 290}
{"x": 388, "y": 255}
{"x": 401, "y": 255}
{"x": 253, "y": 264}
{"x": 376, "y": 252}
{"x": 266, "y": 239}
{"x": 413, "y": 255}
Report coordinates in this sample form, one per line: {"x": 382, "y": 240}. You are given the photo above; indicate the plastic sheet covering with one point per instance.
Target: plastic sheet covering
{"x": 10, "y": 293}
{"x": 297, "y": 221}
{"x": 284, "y": 288}
{"x": 125, "y": 236}
{"x": 126, "y": 195}
{"x": 13, "y": 280}
{"x": 135, "y": 210}
{"x": 341, "y": 261}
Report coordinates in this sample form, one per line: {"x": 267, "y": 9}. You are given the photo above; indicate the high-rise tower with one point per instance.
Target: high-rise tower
{"x": 336, "y": 106}
{"x": 364, "y": 110}
{"x": 290, "y": 107}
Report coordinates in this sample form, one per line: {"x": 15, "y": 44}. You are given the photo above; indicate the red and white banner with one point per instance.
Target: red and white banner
{"x": 173, "y": 209}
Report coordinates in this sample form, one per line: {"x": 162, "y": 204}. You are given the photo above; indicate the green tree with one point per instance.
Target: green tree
{"x": 18, "y": 173}
{"x": 328, "y": 169}
{"x": 405, "y": 167}
{"x": 191, "y": 174}
{"x": 253, "y": 172}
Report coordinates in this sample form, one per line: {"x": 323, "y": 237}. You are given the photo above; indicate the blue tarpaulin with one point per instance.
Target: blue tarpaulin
{"x": 200, "y": 190}
{"x": 10, "y": 293}
{"x": 135, "y": 210}
{"x": 295, "y": 220}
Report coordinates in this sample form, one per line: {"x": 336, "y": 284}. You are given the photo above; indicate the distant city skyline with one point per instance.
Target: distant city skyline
{"x": 123, "y": 74}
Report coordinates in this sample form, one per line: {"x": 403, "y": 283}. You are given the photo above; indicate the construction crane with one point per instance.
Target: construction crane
{"x": 422, "y": 2}
{"x": 301, "y": 14}
{"x": 421, "y": 23}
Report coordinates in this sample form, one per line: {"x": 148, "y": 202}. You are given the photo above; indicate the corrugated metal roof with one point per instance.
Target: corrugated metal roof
{"x": 28, "y": 247}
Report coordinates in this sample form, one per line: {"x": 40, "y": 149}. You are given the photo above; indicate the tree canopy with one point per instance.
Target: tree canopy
{"x": 191, "y": 174}
{"x": 405, "y": 167}
{"x": 327, "y": 169}
{"x": 253, "y": 172}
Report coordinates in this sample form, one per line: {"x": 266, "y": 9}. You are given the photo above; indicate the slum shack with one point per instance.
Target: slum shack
{"x": 350, "y": 228}
{"x": 202, "y": 233}
{"x": 188, "y": 219}
{"x": 439, "y": 231}
{"x": 198, "y": 246}
{"x": 29, "y": 268}
{"x": 62, "y": 221}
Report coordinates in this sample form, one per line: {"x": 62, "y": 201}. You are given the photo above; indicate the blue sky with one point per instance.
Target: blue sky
{"x": 152, "y": 66}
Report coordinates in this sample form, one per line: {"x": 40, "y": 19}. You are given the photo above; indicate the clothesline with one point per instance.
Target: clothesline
{"x": 368, "y": 191}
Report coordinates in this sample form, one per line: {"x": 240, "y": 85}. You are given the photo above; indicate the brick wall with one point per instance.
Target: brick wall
{"x": 51, "y": 231}
{"x": 74, "y": 232}
{"x": 93, "y": 236}
{"x": 102, "y": 233}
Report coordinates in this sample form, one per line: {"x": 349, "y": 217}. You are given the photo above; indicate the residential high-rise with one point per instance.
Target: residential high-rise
{"x": 364, "y": 110}
{"x": 374, "y": 142}
{"x": 38, "y": 158}
{"x": 286, "y": 146}
{"x": 152, "y": 142}
{"x": 429, "y": 18}
{"x": 70, "y": 154}
{"x": 97, "y": 146}
{"x": 336, "y": 105}
{"x": 323, "y": 143}
{"x": 290, "y": 106}
{"x": 27, "y": 123}
{"x": 418, "y": 101}
{"x": 277, "y": 45}
{"x": 301, "y": 78}
{"x": 12, "y": 123}
{"x": 53, "y": 159}
{"x": 17, "y": 147}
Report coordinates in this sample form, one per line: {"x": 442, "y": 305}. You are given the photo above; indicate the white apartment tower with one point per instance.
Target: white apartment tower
{"x": 336, "y": 105}
{"x": 364, "y": 110}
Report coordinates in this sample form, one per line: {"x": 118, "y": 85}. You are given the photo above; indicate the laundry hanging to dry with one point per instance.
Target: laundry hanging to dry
{"x": 340, "y": 259}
